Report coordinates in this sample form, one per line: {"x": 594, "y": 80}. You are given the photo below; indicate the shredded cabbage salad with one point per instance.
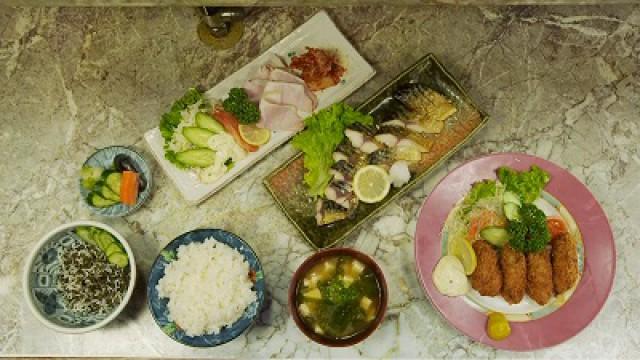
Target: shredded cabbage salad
{"x": 184, "y": 115}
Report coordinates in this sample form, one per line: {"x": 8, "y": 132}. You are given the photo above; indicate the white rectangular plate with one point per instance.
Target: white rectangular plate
{"x": 318, "y": 32}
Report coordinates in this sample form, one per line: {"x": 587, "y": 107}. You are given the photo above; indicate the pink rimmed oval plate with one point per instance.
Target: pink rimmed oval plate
{"x": 599, "y": 265}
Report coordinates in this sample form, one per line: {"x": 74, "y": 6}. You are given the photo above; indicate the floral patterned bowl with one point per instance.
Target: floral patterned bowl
{"x": 40, "y": 277}
{"x": 104, "y": 158}
{"x": 158, "y": 306}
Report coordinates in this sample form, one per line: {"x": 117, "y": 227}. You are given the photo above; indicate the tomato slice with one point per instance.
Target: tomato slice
{"x": 556, "y": 226}
{"x": 231, "y": 124}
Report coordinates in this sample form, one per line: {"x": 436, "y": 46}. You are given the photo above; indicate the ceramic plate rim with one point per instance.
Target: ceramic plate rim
{"x": 474, "y": 327}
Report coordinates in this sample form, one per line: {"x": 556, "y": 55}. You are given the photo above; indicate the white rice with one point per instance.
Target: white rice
{"x": 208, "y": 287}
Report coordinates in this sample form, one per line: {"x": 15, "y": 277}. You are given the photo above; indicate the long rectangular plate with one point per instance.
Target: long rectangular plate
{"x": 320, "y": 32}
{"x": 286, "y": 183}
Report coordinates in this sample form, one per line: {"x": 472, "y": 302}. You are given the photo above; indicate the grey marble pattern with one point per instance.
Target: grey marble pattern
{"x": 562, "y": 83}
{"x": 302, "y": 2}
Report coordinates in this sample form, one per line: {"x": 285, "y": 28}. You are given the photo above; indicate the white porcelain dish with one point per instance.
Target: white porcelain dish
{"x": 319, "y": 31}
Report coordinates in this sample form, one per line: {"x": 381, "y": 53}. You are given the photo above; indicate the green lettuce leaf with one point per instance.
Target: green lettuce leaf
{"x": 170, "y": 121}
{"x": 323, "y": 133}
{"x": 527, "y": 184}
{"x": 480, "y": 190}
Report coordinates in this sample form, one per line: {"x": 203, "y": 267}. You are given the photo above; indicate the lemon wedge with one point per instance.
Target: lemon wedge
{"x": 371, "y": 184}
{"x": 461, "y": 248}
{"x": 254, "y": 135}
{"x": 498, "y": 327}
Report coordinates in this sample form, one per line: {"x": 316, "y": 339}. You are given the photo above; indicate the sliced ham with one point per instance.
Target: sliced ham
{"x": 284, "y": 98}
{"x": 279, "y": 117}
{"x": 283, "y": 75}
{"x": 255, "y": 88}
{"x": 288, "y": 94}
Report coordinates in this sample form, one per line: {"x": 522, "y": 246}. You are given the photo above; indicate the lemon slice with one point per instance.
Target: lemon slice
{"x": 462, "y": 249}
{"x": 371, "y": 184}
{"x": 498, "y": 327}
{"x": 254, "y": 135}
{"x": 408, "y": 153}
{"x": 449, "y": 278}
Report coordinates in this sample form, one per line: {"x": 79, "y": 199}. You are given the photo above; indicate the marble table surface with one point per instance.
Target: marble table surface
{"x": 302, "y": 2}
{"x": 562, "y": 83}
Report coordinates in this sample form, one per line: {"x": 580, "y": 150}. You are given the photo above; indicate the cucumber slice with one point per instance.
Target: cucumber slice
{"x": 105, "y": 239}
{"x": 197, "y": 157}
{"x": 119, "y": 259}
{"x": 511, "y": 197}
{"x": 197, "y": 136}
{"x": 97, "y": 200}
{"x": 112, "y": 249}
{"x": 102, "y": 242}
{"x": 113, "y": 182}
{"x": 512, "y": 211}
{"x": 205, "y": 121}
{"x": 85, "y": 234}
{"x": 495, "y": 235}
{"x": 90, "y": 176}
{"x": 108, "y": 194}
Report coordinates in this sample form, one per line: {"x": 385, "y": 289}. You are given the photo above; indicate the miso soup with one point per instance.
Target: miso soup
{"x": 339, "y": 297}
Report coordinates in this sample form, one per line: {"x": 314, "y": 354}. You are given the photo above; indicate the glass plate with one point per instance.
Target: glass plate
{"x": 286, "y": 185}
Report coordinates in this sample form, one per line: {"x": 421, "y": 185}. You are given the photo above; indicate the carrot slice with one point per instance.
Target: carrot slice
{"x": 231, "y": 124}
{"x": 129, "y": 187}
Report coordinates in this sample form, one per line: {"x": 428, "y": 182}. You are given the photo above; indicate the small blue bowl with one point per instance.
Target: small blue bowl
{"x": 158, "y": 306}
{"x": 41, "y": 274}
{"x": 104, "y": 158}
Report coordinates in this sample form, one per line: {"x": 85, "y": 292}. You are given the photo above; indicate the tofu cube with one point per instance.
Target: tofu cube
{"x": 329, "y": 265}
{"x": 365, "y": 302}
{"x": 304, "y": 309}
{"x": 313, "y": 294}
{"x": 357, "y": 267}
{"x": 311, "y": 280}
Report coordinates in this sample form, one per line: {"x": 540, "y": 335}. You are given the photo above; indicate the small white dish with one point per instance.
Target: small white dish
{"x": 319, "y": 31}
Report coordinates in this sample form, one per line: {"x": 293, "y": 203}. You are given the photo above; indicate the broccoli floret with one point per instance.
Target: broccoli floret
{"x": 530, "y": 234}
{"x": 238, "y": 103}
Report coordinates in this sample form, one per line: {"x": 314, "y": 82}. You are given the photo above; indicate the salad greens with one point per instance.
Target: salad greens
{"x": 527, "y": 184}
{"x": 238, "y": 104}
{"x": 530, "y": 233}
{"x": 336, "y": 292}
{"x": 480, "y": 190}
{"x": 171, "y": 120}
{"x": 324, "y": 132}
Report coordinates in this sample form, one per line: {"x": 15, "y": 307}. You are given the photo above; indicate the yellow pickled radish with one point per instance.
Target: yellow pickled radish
{"x": 498, "y": 327}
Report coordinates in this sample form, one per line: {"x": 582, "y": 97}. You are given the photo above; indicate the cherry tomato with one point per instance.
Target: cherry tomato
{"x": 556, "y": 226}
